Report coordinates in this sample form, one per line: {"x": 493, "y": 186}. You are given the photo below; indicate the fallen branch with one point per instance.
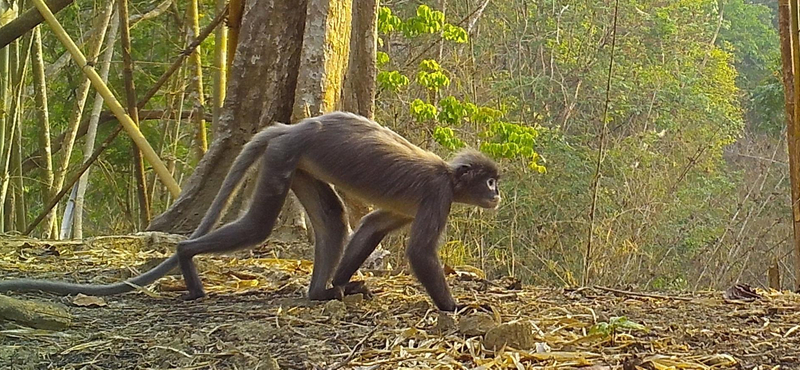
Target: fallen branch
{"x": 645, "y": 295}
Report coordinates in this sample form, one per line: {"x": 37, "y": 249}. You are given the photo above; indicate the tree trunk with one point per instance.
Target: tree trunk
{"x": 790, "y": 47}
{"x": 323, "y": 61}
{"x": 91, "y": 130}
{"x": 80, "y": 101}
{"x": 42, "y": 115}
{"x": 5, "y": 94}
{"x": 269, "y": 53}
{"x": 358, "y": 94}
{"x": 133, "y": 112}
{"x": 221, "y": 69}
{"x": 196, "y": 82}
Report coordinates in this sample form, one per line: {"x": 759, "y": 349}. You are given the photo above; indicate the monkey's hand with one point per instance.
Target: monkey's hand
{"x": 338, "y": 292}
{"x": 355, "y": 287}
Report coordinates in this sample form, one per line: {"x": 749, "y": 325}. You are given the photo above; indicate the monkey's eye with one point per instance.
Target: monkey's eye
{"x": 491, "y": 183}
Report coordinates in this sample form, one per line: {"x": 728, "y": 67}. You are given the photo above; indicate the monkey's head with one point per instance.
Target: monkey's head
{"x": 476, "y": 179}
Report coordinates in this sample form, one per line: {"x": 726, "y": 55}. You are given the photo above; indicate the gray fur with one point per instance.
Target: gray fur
{"x": 404, "y": 182}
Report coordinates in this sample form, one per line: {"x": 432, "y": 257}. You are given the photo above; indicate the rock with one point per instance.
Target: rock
{"x": 353, "y": 299}
{"x": 445, "y": 323}
{"x": 476, "y": 324}
{"x": 34, "y": 314}
{"x": 518, "y": 335}
{"x": 334, "y": 309}
{"x": 268, "y": 362}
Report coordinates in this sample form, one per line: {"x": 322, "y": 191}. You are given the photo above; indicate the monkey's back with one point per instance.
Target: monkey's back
{"x": 372, "y": 162}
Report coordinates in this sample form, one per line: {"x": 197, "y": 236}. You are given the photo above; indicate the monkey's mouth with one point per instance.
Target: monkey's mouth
{"x": 492, "y": 203}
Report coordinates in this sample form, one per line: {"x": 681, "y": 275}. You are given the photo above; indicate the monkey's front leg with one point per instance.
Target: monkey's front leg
{"x": 369, "y": 233}
{"x": 421, "y": 251}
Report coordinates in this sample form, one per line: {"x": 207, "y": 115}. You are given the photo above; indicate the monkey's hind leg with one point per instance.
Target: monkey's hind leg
{"x": 372, "y": 229}
{"x": 275, "y": 177}
{"x": 329, "y": 220}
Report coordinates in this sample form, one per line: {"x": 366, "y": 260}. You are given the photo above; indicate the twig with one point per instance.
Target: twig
{"x": 440, "y": 38}
{"x": 68, "y": 186}
{"x": 645, "y": 295}
{"x": 596, "y": 180}
{"x": 353, "y": 352}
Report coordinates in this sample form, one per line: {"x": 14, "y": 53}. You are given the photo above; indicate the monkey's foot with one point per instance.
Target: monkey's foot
{"x": 355, "y": 287}
{"x": 338, "y": 292}
{"x": 191, "y": 296}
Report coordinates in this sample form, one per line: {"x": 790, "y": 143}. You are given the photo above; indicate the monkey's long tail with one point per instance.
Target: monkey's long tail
{"x": 251, "y": 152}
{"x": 62, "y": 288}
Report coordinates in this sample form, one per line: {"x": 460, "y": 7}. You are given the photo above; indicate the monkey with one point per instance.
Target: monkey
{"x": 405, "y": 183}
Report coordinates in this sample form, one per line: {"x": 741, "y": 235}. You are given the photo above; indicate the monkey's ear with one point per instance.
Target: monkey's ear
{"x": 461, "y": 170}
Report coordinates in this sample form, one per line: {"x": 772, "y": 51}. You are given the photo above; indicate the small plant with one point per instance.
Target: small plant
{"x": 392, "y": 80}
{"x": 609, "y": 329}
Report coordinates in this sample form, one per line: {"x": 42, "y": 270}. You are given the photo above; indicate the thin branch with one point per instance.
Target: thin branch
{"x": 27, "y": 21}
{"x": 596, "y": 180}
{"x": 68, "y": 186}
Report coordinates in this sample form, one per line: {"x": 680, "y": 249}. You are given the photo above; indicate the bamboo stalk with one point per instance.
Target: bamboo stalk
{"x": 793, "y": 133}
{"x": 91, "y": 128}
{"x": 220, "y": 69}
{"x": 110, "y": 100}
{"x": 236, "y": 7}
{"x": 133, "y": 111}
{"x": 196, "y": 82}
{"x": 43, "y": 118}
{"x": 27, "y": 21}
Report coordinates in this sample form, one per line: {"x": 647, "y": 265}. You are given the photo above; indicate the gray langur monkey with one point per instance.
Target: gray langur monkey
{"x": 405, "y": 183}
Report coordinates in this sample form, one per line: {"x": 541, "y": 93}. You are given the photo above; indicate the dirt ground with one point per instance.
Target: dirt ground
{"x": 256, "y": 317}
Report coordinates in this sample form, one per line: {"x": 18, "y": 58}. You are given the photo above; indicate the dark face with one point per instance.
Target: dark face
{"x": 478, "y": 187}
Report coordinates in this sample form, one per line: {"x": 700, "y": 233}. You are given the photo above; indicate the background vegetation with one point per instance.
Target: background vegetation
{"x": 693, "y": 188}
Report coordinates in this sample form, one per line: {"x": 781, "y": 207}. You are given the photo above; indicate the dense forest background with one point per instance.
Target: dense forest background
{"x": 693, "y": 190}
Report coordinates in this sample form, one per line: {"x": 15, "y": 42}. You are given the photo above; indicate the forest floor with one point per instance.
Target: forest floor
{"x": 256, "y": 317}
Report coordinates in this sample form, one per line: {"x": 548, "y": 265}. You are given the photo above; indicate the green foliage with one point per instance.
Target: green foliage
{"x": 422, "y": 111}
{"x": 453, "y": 111}
{"x": 426, "y": 21}
{"x": 447, "y": 138}
{"x": 609, "y": 328}
{"x": 391, "y": 80}
{"x": 431, "y": 77}
{"x": 387, "y": 22}
{"x": 513, "y": 141}
{"x": 381, "y": 59}
{"x": 455, "y": 34}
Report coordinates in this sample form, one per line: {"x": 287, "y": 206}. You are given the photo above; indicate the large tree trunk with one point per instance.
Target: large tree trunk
{"x": 326, "y": 46}
{"x": 261, "y": 91}
{"x": 358, "y": 94}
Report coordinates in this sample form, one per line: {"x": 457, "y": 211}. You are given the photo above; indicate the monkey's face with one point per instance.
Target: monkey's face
{"x": 478, "y": 188}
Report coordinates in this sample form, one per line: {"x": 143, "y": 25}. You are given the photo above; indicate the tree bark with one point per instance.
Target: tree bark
{"x": 221, "y": 69}
{"x": 323, "y": 60}
{"x": 196, "y": 82}
{"x": 358, "y": 93}
{"x": 27, "y": 21}
{"x": 43, "y": 116}
{"x": 269, "y": 53}
{"x": 133, "y": 112}
{"x": 789, "y": 56}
